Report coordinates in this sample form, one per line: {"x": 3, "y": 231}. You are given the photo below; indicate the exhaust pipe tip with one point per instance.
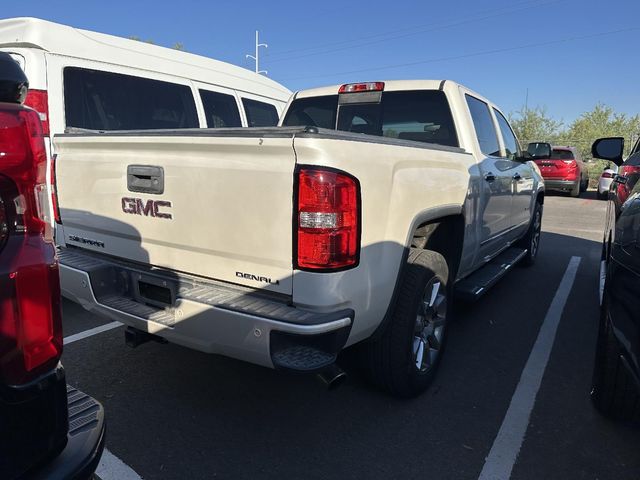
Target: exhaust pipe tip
{"x": 332, "y": 376}
{"x": 134, "y": 337}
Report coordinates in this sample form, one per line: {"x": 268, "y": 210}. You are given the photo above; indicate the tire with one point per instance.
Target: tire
{"x": 584, "y": 185}
{"x": 602, "y": 196}
{"x": 614, "y": 392}
{"x": 398, "y": 361}
{"x": 575, "y": 191}
{"x": 531, "y": 240}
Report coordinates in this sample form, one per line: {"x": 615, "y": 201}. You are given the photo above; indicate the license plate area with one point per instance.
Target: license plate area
{"x": 154, "y": 291}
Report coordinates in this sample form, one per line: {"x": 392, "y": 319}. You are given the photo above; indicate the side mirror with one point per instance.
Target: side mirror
{"x": 609, "y": 148}
{"x": 538, "y": 151}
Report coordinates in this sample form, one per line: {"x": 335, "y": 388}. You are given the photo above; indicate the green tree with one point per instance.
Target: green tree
{"x": 602, "y": 121}
{"x": 176, "y": 46}
{"x": 138, "y": 39}
{"x": 535, "y": 125}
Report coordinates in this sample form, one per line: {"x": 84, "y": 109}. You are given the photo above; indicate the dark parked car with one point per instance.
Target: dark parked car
{"x": 47, "y": 430}
{"x": 616, "y": 376}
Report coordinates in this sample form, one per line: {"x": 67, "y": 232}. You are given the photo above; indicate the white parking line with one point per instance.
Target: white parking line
{"x": 91, "y": 332}
{"x": 504, "y": 451}
{"x": 112, "y": 468}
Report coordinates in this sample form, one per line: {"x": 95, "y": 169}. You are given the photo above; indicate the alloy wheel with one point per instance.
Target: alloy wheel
{"x": 430, "y": 324}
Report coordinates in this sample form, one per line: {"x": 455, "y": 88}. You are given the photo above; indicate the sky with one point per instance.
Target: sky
{"x": 564, "y": 55}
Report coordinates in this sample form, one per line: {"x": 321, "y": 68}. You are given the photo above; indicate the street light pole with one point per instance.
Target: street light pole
{"x": 257, "y": 55}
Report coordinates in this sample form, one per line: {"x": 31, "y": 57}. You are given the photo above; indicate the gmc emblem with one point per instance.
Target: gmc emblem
{"x": 150, "y": 208}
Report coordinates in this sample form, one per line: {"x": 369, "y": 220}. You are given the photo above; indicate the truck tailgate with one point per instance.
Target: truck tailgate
{"x": 209, "y": 204}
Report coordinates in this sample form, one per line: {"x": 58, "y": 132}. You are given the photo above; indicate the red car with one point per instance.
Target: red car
{"x": 626, "y": 179}
{"x": 565, "y": 171}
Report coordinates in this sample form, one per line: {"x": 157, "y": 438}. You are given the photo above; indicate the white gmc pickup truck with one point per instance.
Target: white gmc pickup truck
{"x": 356, "y": 220}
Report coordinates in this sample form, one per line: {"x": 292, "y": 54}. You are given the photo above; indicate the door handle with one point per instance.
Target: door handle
{"x": 517, "y": 177}
{"x": 145, "y": 179}
{"x": 489, "y": 177}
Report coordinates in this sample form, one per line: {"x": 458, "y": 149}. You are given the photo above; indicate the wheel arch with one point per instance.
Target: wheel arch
{"x": 439, "y": 225}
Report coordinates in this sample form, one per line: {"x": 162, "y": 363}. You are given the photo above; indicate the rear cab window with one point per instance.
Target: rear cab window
{"x": 417, "y": 115}
{"x": 260, "y": 114}
{"x": 484, "y": 126}
{"x": 99, "y": 100}
{"x": 220, "y": 109}
{"x": 313, "y": 112}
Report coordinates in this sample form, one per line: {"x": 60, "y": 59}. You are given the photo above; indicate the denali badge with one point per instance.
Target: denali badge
{"x": 248, "y": 276}
{"x": 86, "y": 241}
{"x": 137, "y": 206}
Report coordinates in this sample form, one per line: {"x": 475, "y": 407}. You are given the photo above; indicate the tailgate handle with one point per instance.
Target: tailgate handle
{"x": 145, "y": 179}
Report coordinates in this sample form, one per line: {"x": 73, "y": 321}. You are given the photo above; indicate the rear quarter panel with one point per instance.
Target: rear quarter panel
{"x": 401, "y": 187}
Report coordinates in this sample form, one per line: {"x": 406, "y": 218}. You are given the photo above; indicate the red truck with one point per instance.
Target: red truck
{"x": 49, "y": 430}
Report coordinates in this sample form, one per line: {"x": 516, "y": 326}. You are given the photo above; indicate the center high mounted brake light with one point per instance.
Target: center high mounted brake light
{"x": 327, "y": 229}
{"x": 362, "y": 87}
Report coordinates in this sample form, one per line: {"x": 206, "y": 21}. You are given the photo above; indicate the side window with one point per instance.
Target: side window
{"x": 220, "y": 109}
{"x": 260, "y": 114}
{"x": 485, "y": 129}
{"x": 100, "y": 100}
{"x": 510, "y": 142}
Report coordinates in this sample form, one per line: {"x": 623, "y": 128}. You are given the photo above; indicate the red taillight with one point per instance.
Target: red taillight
{"x": 608, "y": 175}
{"x": 327, "y": 220}
{"x": 30, "y": 315}
{"x": 362, "y": 87}
{"x": 39, "y": 101}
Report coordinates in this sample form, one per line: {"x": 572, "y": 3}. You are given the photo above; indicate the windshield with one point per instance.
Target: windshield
{"x": 421, "y": 116}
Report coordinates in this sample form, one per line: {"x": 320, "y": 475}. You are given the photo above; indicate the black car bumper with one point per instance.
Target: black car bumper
{"x": 560, "y": 185}
{"x": 85, "y": 441}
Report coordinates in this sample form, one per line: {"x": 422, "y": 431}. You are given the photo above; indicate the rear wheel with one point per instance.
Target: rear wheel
{"x": 531, "y": 241}
{"x": 575, "y": 191}
{"x": 603, "y": 195}
{"x": 404, "y": 359}
{"x": 584, "y": 185}
{"x": 614, "y": 392}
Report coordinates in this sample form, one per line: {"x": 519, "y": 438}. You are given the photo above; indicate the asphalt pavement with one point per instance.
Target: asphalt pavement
{"x": 175, "y": 413}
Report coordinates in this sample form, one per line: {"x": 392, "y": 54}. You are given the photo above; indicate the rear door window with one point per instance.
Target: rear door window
{"x": 512, "y": 148}
{"x": 100, "y": 100}
{"x": 260, "y": 114}
{"x": 484, "y": 126}
{"x": 220, "y": 109}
